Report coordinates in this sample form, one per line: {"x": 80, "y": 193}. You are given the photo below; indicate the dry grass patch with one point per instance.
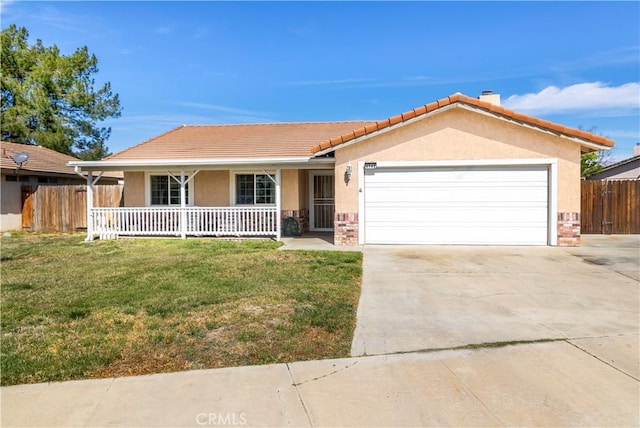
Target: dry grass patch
{"x": 73, "y": 310}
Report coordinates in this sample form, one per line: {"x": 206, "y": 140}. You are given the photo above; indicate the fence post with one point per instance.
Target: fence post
{"x": 183, "y": 206}
{"x": 278, "y": 205}
{"x": 89, "y": 206}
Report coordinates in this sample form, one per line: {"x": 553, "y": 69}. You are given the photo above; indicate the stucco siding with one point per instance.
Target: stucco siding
{"x": 303, "y": 185}
{"x": 134, "y": 189}
{"x": 290, "y": 189}
{"x": 211, "y": 189}
{"x": 461, "y": 135}
{"x": 11, "y": 209}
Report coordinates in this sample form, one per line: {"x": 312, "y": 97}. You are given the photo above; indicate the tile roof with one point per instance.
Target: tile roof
{"x": 40, "y": 159}
{"x": 304, "y": 139}
{"x": 260, "y": 140}
{"x": 462, "y": 99}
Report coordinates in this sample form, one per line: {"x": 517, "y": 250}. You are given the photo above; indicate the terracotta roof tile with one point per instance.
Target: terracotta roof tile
{"x": 443, "y": 102}
{"x": 464, "y": 99}
{"x": 420, "y": 110}
{"x": 360, "y": 131}
{"x": 431, "y": 106}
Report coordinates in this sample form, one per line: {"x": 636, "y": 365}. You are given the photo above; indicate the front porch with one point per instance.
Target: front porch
{"x": 111, "y": 223}
{"x": 227, "y": 200}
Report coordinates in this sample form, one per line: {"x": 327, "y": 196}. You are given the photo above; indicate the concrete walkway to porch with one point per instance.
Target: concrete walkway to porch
{"x": 322, "y": 241}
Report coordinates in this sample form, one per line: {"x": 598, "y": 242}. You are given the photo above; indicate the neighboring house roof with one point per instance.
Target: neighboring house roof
{"x": 260, "y": 140}
{"x": 41, "y": 160}
{"x": 475, "y": 103}
{"x": 628, "y": 169}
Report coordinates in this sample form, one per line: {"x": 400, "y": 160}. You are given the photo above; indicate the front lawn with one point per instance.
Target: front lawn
{"x": 75, "y": 310}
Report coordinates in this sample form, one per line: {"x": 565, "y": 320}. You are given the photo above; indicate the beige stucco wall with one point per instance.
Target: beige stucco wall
{"x": 294, "y": 189}
{"x": 134, "y": 189}
{"x": 303, "y": 185}
{"x": 290, "y": 189}
{"x": 211, "y": 189}
{"x": 11, "y": 205}
{"x": 461, "y": 135}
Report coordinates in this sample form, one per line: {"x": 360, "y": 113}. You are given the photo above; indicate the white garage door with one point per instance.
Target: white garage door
{"x": 457, "y": 205}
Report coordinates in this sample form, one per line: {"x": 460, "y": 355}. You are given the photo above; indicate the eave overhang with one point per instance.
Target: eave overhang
{"x": 586, "y": 145}
{"x": 202, "y": 164}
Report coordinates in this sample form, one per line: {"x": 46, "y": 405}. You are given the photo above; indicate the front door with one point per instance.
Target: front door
{"x": 321, "y": 189}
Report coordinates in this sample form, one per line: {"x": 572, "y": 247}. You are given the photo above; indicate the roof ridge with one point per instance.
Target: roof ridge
{"x": 567, "y": 130}
{"x": 38, "y": 147}
{"x": 274, "y": 123}
{"x": 619, "y": 163}
{"x": 465, "y": 99}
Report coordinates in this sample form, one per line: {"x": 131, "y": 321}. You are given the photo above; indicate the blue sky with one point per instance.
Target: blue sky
{"x": 173, "y": 63}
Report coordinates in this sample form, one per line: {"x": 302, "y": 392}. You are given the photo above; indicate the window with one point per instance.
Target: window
{"x": 255, "y": 189}
{"x": 165, "y": 190}
{"x": 20, "y": 178}
{"x": 49, "y": 180}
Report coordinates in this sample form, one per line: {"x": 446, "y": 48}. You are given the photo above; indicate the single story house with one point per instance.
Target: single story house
{"x": 459, "y": 170}
{"x": 23, "y": 168}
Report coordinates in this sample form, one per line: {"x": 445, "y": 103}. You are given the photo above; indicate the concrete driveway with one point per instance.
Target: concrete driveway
{"x": 445, "y": 297}
{"x": 415, "y": 298}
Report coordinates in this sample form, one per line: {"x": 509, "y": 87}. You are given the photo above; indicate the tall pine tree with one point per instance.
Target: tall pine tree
{"x": 51, "y": 99}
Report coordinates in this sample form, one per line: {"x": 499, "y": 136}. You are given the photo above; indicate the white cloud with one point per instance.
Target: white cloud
{"x": 164, "y": 29}
{"x": 4, "y": 5}
{"x": 596, "y": 96}
{"x": 222, "y": 109}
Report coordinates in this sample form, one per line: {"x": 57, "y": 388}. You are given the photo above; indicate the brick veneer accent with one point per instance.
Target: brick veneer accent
{"x": 568, "y": 229}
{"x": 302, "y": 217}
{"x": 345, "y": 229}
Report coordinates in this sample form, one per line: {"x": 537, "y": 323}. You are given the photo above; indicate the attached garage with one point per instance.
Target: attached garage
{"x": 463, "y": 204}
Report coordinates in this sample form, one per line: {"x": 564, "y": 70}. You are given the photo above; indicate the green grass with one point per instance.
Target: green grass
{"x": 75, "y": 310}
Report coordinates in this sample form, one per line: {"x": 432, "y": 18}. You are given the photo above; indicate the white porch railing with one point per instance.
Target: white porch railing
{"x": 109, "y": 223}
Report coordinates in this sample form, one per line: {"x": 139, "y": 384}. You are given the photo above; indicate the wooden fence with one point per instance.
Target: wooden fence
{"x": 64, "y": 208}
{"x": 609, "y": 207}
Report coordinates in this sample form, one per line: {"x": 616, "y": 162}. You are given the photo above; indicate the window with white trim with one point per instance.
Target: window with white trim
{"x": 255, "y": 189}
{"x": 165, "y": 190}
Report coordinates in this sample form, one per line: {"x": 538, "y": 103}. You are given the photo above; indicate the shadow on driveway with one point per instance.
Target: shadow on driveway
{"x": 443, "y": 297}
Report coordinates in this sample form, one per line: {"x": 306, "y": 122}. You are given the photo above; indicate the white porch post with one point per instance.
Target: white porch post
{"x": 278, "y": 205}
{"x": 183, "y": 205}
{"x": 89, "y": 206}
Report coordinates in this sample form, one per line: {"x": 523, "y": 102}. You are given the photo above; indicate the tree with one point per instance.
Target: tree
{"x": 590, "y": 164}
{"x": 51, "y": 99}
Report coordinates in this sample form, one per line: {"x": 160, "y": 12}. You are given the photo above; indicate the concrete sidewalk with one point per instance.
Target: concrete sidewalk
{"x": 314, "y": 241}
{"x": 536, "y": 384}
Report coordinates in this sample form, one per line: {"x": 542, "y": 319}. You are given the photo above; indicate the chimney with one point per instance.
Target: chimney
{"x": 636, "y": 149}
{"x": 489, "y": 97}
